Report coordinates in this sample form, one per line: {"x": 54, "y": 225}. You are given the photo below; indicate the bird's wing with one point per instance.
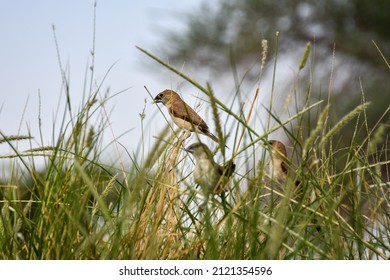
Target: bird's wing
{"x": 228, "y": 169}
{"x": 284, "y": 167}
{"x": 225, "y": 173}
{"x": 182, "y": 111}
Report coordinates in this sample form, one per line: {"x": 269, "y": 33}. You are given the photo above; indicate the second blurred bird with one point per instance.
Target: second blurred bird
{"x": 279, "y": 168}
{"x": 212, "y": 177}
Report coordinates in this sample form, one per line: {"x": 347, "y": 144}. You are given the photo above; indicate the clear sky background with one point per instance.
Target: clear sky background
{"x": 29, "y": 65}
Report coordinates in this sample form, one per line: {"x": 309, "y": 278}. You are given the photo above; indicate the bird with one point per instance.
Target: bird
{"x": 279, "y": 173}
{"x": 212, "y": 177}
{"x": 182, "y": 114}
{"x": 278, "y": 166}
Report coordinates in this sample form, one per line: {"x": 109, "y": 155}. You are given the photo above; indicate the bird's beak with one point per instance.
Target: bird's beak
{"x": 189, "y": 150}
{"x": 157, "y": 99}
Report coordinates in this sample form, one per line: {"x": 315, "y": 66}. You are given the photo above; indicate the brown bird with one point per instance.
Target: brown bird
{"x": 212, "y": 177}
{"x": 182, "y": 114}
{"x": 279, "y": 172}
{"x": 278, "y": 167}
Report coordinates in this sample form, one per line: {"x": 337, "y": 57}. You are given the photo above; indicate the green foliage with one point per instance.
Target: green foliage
{"x": 221, "y": 25}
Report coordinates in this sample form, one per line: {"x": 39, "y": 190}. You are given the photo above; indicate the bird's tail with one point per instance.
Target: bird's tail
{"x": 211, "y": 136}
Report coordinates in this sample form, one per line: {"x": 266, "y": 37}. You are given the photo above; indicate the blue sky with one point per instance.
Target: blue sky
{"x": 29, "y": 64}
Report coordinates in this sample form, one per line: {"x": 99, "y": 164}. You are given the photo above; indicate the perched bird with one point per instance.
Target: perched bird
{"x": 182, "y": 114}
{"x": 280, "y": 172}
{"x": 211, "y": 177}
{"x": 278, "y": 167}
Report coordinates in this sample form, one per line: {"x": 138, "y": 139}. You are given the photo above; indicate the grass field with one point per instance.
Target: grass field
{"x": 78, "y": 207}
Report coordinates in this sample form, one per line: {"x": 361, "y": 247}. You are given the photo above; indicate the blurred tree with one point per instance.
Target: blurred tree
{"x": 351, "y": 24}
{"x": 219, "y": 28}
